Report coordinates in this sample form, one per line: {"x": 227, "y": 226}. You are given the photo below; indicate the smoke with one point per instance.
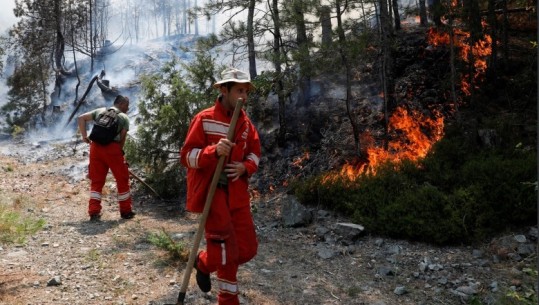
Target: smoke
{"x": 7, "y": 18}
{"x": 123, "y": 66}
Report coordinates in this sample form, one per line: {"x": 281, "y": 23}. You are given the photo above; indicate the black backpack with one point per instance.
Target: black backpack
{"x": 105, "y": 127}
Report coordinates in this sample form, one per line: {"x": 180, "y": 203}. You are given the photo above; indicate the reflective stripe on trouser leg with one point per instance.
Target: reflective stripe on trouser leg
{"x": 228, "y": 285}
{"x": 94, "y": 205}
{"x": 124, "y": 200}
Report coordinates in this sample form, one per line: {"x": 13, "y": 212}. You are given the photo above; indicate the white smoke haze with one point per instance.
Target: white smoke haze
{"x": 124, "y": 62}
{"x": 123, "y": 67}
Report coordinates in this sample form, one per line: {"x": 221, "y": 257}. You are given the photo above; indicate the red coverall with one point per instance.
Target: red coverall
{"x": 103, "y": 157}
{"x": 229, "y": 231}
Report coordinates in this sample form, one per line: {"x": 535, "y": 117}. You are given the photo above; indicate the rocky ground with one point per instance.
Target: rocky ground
{"x": 75, "y": 261}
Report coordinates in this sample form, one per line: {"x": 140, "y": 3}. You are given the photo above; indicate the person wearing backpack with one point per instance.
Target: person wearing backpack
{"x": 107, "y": 140}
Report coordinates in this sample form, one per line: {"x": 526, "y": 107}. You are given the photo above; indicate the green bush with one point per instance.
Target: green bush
{"x": 169, "y": 100}
{"x": 457, "y": 194}
{"x": 15, "y": 227}
{"x": 162, "y": 240}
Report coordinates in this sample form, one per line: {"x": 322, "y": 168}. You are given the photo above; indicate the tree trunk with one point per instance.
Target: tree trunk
{"x": 91, "y": 36}
{"x": 281, "y": 137}
{"x": 76, "y": 68}
{"x": 251, "y": 39}
{"x": 505, "y": 34}
{"x": 325, "y": 22}
{"x": 387, "y": 66}
{"x": 435, "y": 10}
{"x": 452, "y": 58}
{"x": 423, "y": 21}
{"x": 493, "y": 62}
{"x": 43, "y": 80}
{"x": 303, "y": 51}
{"x": 396, "y": 14}
{"x": 347, "y": 67}
{"x": 473, "y": 20}
{"x": 196, "y": 19}
{"x": 60, "y": 43}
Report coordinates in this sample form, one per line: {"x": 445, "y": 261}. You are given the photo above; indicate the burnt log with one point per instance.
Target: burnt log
{"x": 108, "y": 92}
{"x": 82, "y": 99}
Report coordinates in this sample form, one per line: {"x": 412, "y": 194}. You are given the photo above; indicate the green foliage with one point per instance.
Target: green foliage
{"x": 163, "y": 241}
{"x": 169, "y": 101}
{"x": 26, "y": 95}
{"x": 523, "y": 294}
{"x": 456, "y": 194}
{"x": 14, "y": 227}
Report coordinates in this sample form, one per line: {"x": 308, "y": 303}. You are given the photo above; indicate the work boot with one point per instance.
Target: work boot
{"x": 203, "y": 279}
{"x": 128, "y": 215}
{"x": 95, "y": 217}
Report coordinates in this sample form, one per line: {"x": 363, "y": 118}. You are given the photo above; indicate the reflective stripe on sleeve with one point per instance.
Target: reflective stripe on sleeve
{"x": 192, "y": 157}
{"x": 253, "y": 158}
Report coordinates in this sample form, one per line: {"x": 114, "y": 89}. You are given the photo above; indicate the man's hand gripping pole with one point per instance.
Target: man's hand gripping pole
{"x": 207, "y": 205}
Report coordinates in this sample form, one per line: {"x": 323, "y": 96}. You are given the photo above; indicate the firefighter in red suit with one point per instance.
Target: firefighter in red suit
{"x": 229, "y": 229}
{"x": 105, "y": 157}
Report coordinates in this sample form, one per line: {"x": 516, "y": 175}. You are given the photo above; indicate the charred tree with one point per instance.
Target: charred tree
{"x": 505, "y": 33}
{"x": 493, "y": 23}
{"x": 302, "y": 52}
{"x": 423, "y": 21}
{"x": 277, "y": 62}
{"x": 109, "y": 92}
{"x": 325, "y": 22}
{"x": 435, "y": 11}
{"x": 396, "y": 16}
{"x": 472, "y": 18}
{"x": 251, "y": 38}
{"x": 387, "y": 78}
{"x": 82, "y": 100}
{"x": 452, "y": 56}
{"x": 340, "y": 9}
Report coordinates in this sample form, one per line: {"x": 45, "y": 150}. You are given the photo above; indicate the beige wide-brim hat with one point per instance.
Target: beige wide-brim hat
{"x": 233, "y": 75}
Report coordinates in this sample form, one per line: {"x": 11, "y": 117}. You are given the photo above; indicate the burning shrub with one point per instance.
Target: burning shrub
{"x": 455, "y": 195}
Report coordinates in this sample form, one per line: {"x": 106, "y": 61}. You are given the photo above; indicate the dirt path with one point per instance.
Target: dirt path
{"x": 112, "y": 262}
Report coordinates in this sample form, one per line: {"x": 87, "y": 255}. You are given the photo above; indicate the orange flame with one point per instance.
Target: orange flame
{"x": 480, "y": 51}
{"x": 417, "y": 134}
{"x": 416, "y": 131}
{"x": 298, "y": 162}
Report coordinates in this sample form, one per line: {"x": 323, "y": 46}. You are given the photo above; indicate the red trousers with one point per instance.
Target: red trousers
{"x": 231, "y": 241}
{"x": 103, "y": 158}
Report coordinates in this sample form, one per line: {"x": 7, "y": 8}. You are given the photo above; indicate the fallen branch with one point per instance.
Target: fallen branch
{"x": 145, "y": 184}
{"x": 81, "y": 100}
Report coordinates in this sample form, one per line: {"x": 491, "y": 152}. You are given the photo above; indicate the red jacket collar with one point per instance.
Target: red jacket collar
{"x": 220, "y": 108}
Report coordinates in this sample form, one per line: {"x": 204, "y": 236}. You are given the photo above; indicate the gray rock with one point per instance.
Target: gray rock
{"x": 520, "y": 238}
{"x": 349, "y": 231}
{"x": 400, "y": 290}
{"x": 326, "y": 253}
{"x": 294, "y": 214}
{"x": 55, "y": 281}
